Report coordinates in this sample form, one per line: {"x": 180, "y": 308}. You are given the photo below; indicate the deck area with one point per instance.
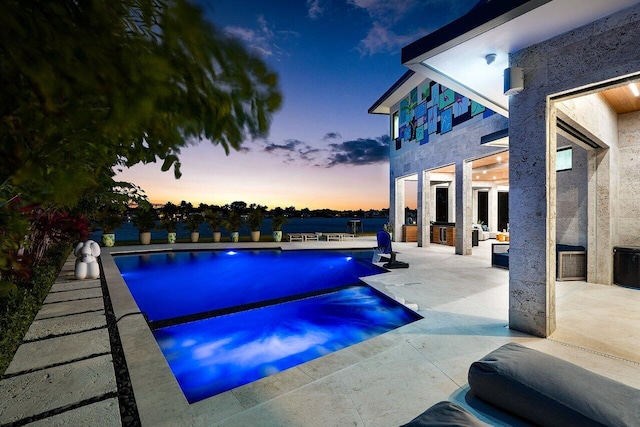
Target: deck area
{"x": 65, "y": 371}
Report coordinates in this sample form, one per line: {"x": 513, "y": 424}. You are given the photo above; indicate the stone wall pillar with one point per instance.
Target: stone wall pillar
{"x": 532, "y": 207}
{"x": 451, "y": 208}
{"x": 474, "y": 208}
{"x": 424, "y": 209}
{"x": 398, "y": 204}
{"x": 602, "y": 226}
{"x": 493, "y": 209}
{"x": 464, "y": 207}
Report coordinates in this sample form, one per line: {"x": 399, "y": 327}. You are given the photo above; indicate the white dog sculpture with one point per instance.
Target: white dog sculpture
{"x": 86, "y": 264}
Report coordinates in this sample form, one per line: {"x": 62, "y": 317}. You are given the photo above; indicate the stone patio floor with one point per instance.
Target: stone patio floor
{"x": 64, "y": 372}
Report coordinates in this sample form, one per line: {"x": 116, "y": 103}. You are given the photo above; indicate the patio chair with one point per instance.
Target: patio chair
{"x": 384, "y": 247}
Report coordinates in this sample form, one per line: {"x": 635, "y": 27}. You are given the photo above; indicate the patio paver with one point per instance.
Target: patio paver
{"x": 63, "y": 325}
{"x": 38, "y": 392}
{"x": 58, "y": 350}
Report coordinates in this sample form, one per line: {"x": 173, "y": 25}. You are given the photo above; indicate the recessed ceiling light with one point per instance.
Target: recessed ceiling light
{"x": 499, "y": 159}
{"x": 494, "y": 177}
{"x": 634, "y": 89}
{"x": 484, "y": 171}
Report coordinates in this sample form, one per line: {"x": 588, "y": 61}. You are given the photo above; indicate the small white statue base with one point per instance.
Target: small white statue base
{"x": 86, "y": 264}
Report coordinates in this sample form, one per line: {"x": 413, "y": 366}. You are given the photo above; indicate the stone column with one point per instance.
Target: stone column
{"x": 398, "y": 219}
{"x": 451, "y": 208}
{"x": 532, "y": 208}
{"x": 601, "y": 226}
{"x": 474, "y": 207}
{"x": 392, "y": 199}
{"x": 424, "y": 208}
{"x": 464, "y": 205}
{"x": 493, "y": 209}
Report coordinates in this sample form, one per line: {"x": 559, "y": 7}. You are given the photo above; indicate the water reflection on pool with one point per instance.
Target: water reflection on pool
{"x": 215, "y": 354}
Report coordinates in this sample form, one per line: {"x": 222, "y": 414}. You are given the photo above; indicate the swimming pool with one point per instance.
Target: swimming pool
{"x": 178, "y": 284}
{"x": 250, "y": 314}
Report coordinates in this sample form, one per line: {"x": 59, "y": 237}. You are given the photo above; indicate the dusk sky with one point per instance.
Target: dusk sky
{"x": 335, "y": 58}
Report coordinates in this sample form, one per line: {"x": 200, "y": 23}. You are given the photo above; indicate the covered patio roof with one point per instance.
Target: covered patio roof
{"x": 456, "y": 54}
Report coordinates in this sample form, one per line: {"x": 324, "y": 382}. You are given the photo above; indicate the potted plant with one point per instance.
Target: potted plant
{"x": 109, "y": 219}
{"x": 254, "y": 220}
{"x": 170, "y": 224}
{"x": 144, "y": 220}
{"x": 276, "y": 227}
{"x": 214, "y": 219}
{"x": 233, "y": 223}
{"x": 169, "y": 221}
{"x": 193, "y": 222}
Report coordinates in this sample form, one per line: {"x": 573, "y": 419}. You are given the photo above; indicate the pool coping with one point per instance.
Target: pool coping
{"x": 158, "y": 396}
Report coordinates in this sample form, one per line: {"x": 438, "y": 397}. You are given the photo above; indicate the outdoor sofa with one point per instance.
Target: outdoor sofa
{"x": 541, "y": 389}
{"x": 500, "y": 255}
{"x": 571, "y": 261}
{"x": 483, "y": 231}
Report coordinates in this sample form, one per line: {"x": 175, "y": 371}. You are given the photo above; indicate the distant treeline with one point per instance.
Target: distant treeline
{"x": 243, "y": 208}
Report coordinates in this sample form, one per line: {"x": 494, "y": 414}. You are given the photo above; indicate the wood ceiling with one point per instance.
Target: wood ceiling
{"x": 621, "y": 99}
{"x": 492, "y": 168}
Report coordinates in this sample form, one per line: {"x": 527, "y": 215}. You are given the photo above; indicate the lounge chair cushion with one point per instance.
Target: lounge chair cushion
{"x": 445, "y": 414}
{"x": 550, "y": 391}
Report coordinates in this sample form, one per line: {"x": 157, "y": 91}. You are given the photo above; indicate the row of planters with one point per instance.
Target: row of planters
{"x": 146, "y": 218}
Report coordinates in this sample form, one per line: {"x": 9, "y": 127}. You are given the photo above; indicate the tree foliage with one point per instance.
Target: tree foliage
{"x": 89, "y": 85}
{"x": 85, "y": 84}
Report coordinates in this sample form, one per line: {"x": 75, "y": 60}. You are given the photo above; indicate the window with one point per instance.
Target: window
{"x": 564, "y": 159}
{"x": 396, "y": 126}
{"x": 483, "y": 207}
{"x": 442, "y": 204}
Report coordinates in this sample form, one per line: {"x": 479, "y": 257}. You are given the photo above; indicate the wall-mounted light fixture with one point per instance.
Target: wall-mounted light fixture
{"x": 513, "y": 80}
{"x": 634, "y": 89}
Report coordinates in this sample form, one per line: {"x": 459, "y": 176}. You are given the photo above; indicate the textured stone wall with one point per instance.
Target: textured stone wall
{"x": 628, "y": 218}
{"x": 600, "y": 51}
{"x": 572, "y": 198}
{"x": 595, "y": 118}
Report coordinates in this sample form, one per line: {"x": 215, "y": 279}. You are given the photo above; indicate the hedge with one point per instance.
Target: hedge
{"x": 18, "y": 310}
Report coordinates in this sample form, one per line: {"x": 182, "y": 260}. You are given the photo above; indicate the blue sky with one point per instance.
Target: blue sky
{"x": 334, "y": 58}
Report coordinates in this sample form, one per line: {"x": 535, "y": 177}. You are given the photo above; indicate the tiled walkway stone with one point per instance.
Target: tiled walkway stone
{"x": 57, "y": 326}
{"x": 72, "y": 285}
{"x": 103, "y": 414}
{"x": 63, "y": 373}
{"x": 76, "y": 294}
{"x": 53, "y": 351}
{"x": 37, "y": 392}
{"x": 70, "y": 307}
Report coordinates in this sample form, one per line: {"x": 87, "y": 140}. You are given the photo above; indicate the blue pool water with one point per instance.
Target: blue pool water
{"x": 214, "y": 355}
{"x": 251, "y": 314}
{"x": 175, "y": 284}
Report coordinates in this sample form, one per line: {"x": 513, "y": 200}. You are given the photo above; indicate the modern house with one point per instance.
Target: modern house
{"x": 524, "y": 115}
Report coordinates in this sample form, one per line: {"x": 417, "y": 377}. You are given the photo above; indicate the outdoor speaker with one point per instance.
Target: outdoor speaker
{"x": 513, "y": 80}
